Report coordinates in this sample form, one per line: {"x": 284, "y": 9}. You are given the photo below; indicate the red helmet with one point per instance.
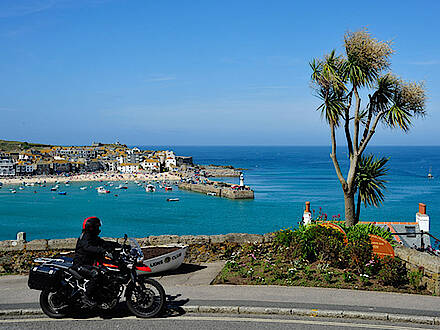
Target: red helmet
{"x": 91, "y": 225}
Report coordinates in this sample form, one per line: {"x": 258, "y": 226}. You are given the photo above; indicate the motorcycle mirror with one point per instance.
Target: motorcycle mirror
{"x": 125, "y": 238}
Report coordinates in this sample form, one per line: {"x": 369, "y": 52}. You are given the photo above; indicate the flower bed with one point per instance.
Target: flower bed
{"x": 318, "y": 256}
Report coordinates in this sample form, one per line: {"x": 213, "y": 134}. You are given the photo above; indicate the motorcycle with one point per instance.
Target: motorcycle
{"x": 63, "y": 287}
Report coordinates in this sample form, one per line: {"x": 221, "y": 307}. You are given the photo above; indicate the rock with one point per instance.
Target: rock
{"x": 37, "y": 245}
{"x": 11, "y": 245}
{"x": 62, "y": 244}
{"x": 190, "y": 239}
{"x": 216, "y": 239}
{"x": 244, "y": 238}
{"x": 163, "y": 239}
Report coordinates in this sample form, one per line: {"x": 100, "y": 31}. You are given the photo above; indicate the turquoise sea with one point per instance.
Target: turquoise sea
{"x": 283, "y": 179}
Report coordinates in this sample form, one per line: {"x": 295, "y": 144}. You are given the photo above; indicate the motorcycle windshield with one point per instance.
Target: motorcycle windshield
{"x": 135, "y": 247}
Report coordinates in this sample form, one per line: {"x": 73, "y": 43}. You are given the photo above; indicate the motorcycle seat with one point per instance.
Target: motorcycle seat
{"x": 74, "y": 273}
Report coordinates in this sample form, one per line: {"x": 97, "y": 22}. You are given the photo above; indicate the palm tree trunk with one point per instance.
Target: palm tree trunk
{"x": 350, "y": 216}
{"x": 358, "y": 207}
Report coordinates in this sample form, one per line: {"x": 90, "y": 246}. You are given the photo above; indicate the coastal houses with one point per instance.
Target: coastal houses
{"x": 7, "y": 167}
{"x": 97, "y": 157}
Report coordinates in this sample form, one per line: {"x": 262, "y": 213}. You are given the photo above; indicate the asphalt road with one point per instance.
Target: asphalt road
{"x": 206, "y": 321}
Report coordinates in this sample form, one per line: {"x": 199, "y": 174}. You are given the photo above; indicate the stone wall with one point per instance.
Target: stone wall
{"x": 69, "y": 243}
{"x": 220, "y": 192}
{"x": 429, "y": 264}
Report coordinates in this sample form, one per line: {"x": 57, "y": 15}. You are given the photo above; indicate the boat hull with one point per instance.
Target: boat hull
{"x": 168, "y": 261}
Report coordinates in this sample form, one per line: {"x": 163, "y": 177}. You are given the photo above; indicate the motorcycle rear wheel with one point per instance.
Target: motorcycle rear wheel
{"x": 149, "y": 302}
{"x": 49, "y": 305}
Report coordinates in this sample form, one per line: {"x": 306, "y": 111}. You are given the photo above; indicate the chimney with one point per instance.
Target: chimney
{"x": 422, "y": 218}
{"x": 307, "y": 216}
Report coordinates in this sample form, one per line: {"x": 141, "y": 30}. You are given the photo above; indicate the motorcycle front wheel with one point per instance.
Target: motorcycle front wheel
{"x": 146, "y": 299}
{"x": 52, "y": 304}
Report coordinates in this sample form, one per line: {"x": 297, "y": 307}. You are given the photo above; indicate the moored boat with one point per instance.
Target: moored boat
{"x": 102, "y": 190}
{"x": 168, "y": 188}
{"x": 83, "y": 188}
{"x": 150, "y": 188}
{"x": 173, "y": 199}
{"x": 62, "y": 193}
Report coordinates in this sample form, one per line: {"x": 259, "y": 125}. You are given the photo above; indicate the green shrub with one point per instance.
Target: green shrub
{"x": 358, "y": 253}
{"x": 361, "y": 229}
{"x": 415, "y": 279}
{"x": 320, "y": 243}
{"x": 393, "y": 272}
{"x": 348, "y": 277}
{"x": 284, "y": 237}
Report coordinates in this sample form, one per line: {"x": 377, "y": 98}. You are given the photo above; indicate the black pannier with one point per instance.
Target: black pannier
{"x": 44, "y": 277}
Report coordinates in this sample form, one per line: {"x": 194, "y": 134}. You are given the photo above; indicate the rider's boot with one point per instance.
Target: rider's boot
{"x": 88, "y": 301}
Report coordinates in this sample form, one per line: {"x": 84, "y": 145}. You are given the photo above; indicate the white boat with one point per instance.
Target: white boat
{"x": 211, "y": 194}
{"x": 173, "y": 199}
{"x": 168, "y": 188}
{"x": 121, "y": 187}
{"x": 83, "y": 188}
{"x": 21, "y": 188}
{"x": 150, "y": 188}
{"x": 102, "y": 190}
{"x": 54, "y": 188}
{"x": 13, "y": 191}
{"x": 164, "y": 257}
{"x": 430, "y": 176}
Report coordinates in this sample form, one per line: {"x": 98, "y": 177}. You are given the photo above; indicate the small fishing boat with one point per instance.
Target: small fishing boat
{"x": 168, "y": 188}
{"x": 121, "y": 187}
{"x": 13, "y": 191}
{"x": 164, "y": 258}
{"x": 173, "y": 199}
{"x": 21, "y": 188}
{"x": 62, "y": 193}
{"x": 150, "y": 188}
{"x": 211, "y": 194}
{"x": 55, "y": 188}
{"x": 102, "y": 190}
{"x": 83, "y": 188}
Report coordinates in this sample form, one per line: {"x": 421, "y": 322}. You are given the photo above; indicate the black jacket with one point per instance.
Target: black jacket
{"x": 90, "y": 248}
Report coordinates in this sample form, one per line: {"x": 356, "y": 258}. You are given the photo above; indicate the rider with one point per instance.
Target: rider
{"x": 89, "y": 249}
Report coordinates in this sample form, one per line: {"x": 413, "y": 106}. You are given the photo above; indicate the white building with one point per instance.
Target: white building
{"x": 152, "y": 165}
{"x": 170, "y": 162}
{"x": 6, "y": 166}
{"x": 128, "y": 167}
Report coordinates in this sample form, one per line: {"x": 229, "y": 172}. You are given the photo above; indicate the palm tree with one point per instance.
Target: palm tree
{"x": 370, "y": 184}
{"x": 337, "y": 81}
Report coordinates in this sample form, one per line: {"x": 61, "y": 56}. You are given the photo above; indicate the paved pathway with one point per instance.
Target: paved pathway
{"x": 192, "y": 289}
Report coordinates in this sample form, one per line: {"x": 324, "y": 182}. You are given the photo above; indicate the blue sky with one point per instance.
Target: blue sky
{"x": 194, "y": 72}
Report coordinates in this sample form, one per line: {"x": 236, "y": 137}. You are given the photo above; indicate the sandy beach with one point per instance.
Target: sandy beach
{"x": 104, "y": 176}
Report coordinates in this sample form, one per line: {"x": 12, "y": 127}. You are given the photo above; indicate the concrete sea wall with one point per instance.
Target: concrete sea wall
{"x": 219, "y": 191}
{"x": 70, "y": 243}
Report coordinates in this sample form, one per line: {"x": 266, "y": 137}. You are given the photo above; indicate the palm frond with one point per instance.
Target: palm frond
{"x": 369, "y": 179}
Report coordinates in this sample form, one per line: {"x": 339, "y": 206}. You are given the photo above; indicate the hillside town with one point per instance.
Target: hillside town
{"x": 98, "y": 157}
